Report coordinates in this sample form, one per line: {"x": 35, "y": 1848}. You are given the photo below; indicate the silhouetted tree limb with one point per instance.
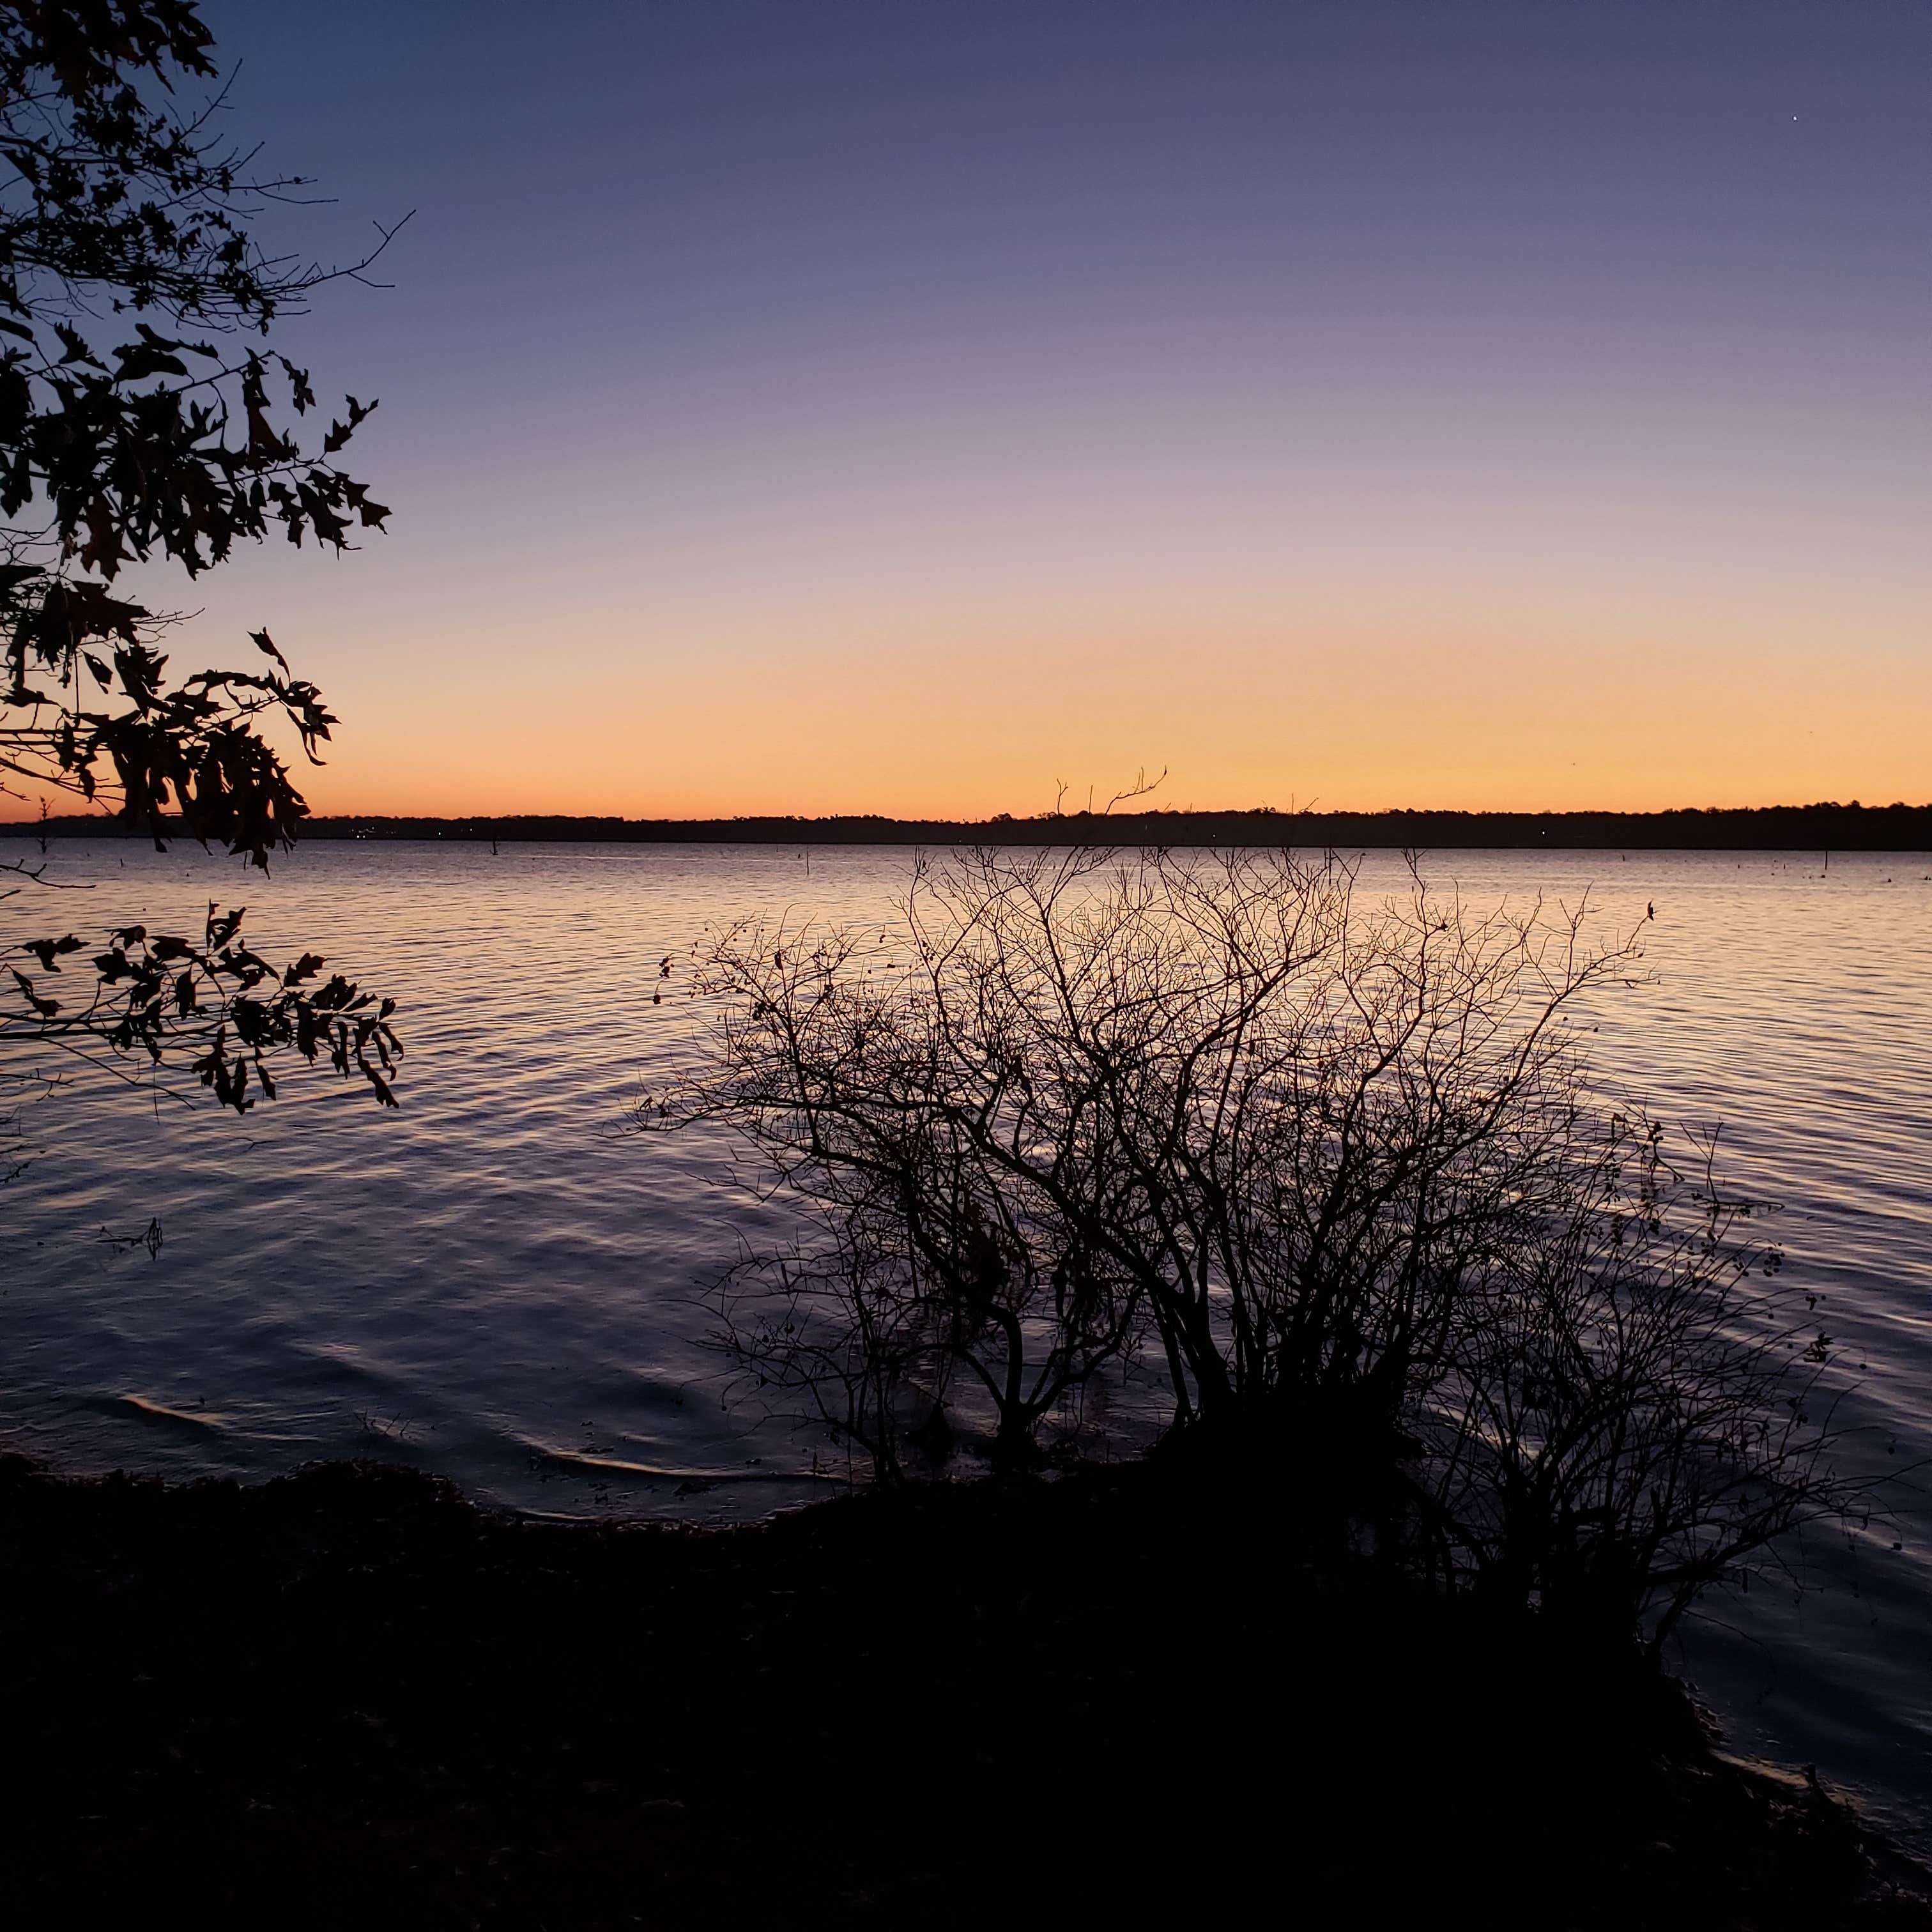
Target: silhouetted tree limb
{"x": 208, "y": 1008}
{"x": 124, "y": 443}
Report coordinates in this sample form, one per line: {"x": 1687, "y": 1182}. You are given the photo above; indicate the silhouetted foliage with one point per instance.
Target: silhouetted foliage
{"x": 123, "y": 442}
{"x": 1335, "y": 1174}
{"x": 210, "y": 1008}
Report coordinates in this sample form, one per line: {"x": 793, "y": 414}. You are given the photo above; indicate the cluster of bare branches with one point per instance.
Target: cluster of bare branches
{"x": 1629, "y": 1408}
{"x": 1333, "y": 1173}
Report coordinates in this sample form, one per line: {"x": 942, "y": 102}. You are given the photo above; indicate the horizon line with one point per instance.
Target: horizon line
{"x": 1826, "y": 825}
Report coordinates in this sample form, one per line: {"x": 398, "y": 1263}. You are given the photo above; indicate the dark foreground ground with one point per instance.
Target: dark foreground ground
{"x": 349, "y": 1695}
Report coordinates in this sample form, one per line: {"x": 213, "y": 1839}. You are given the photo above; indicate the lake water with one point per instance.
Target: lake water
{"x": 499, "y": 1282}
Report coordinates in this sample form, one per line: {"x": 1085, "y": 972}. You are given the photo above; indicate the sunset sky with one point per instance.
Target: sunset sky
{"x": 901, "y": 407}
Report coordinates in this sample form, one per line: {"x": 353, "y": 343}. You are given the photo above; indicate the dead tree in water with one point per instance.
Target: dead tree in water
{"x": 1627, "y": 1410}
{"x": 1335, "y": 1171}
{"x": 1214, "y": 1102}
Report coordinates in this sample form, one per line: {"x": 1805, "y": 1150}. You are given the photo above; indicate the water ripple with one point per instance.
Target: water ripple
{"x": 498, "y": 1283}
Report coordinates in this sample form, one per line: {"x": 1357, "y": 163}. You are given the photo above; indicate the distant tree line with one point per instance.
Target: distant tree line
{"x": 1808, "y": 828}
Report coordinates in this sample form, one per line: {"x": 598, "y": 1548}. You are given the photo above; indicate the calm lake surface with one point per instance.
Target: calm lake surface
{"x": 499, "y": 1282}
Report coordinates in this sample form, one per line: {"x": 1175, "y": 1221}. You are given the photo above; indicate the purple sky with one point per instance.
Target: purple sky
{"x": 901, "y": 407}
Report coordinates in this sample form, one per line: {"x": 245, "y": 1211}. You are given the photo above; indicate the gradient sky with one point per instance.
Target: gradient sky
{"x": 819, "y": 406}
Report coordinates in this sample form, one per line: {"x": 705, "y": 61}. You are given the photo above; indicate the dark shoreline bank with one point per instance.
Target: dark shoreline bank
{"x": 1125, "y": 1693}
{"x": 1820, "y": 828}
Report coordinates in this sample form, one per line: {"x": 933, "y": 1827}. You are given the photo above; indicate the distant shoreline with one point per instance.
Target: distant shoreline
{"x": 1800, "y": 828}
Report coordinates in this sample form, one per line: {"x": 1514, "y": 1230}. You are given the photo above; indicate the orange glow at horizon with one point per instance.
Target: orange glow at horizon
{"x": 867, "y": 411}
{"x": 1358, "y": 716}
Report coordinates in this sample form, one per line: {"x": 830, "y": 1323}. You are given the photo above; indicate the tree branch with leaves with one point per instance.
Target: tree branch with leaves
{"x": 123, "y": 443}
{"x": 212, "y": 1008}
{"x": 140, "y": 423}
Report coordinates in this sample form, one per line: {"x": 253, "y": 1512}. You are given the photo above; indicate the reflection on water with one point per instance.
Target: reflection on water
{"x": 500, "y": 1283}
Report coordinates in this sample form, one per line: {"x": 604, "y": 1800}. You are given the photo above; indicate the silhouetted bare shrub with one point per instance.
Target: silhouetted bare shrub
{"x": 1333, "y": 1172}
{"x": 1627, "y": 1410}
